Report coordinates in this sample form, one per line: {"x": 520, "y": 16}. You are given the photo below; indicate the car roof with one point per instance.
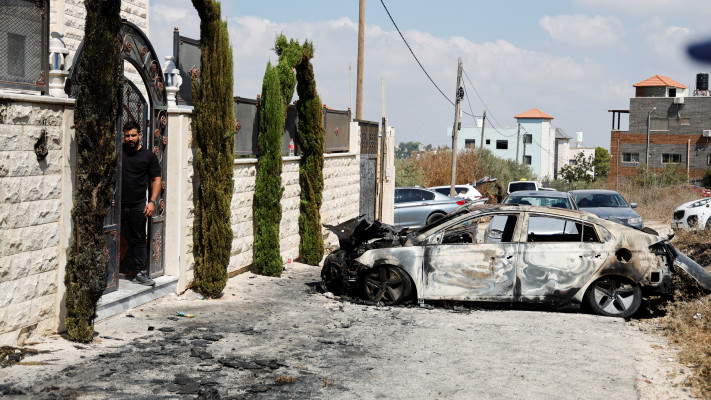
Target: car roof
{"x": 446, "y": 186}
{"x": 540, "y": 193}
{"x": 593, "y": 191}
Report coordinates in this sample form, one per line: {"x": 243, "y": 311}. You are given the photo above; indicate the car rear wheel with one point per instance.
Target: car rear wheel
{"x": 614, "y": 297}
{"x": 386, "y": 284}
{"x": 434, "y": 217}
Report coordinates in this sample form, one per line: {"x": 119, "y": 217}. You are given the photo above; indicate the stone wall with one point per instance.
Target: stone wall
{"x": 31, "y": 215}
{"x": 67, "y": 17}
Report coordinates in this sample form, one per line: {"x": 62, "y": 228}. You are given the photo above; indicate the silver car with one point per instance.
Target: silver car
{"x": 416, "y": 207}
{"x": 507, "y": 253}
{"x": 608, "y": 204}
{"x": 542, "y": 198}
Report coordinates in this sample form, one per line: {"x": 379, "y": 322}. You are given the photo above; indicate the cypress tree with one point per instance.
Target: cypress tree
{"x": 268, "y": 189}
{"x": 214, "y": 161}
{"x": 311, "y": 141}
{"x": 95, "y": 120}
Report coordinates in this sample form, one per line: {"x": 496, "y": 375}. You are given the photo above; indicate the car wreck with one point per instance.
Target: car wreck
{"x": 507, "y": 253}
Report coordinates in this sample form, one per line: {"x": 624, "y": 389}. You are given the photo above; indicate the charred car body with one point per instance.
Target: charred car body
{"x": 508, "y": 253}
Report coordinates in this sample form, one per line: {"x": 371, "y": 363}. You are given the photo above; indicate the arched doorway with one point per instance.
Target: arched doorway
{"x": 150, "y": 112}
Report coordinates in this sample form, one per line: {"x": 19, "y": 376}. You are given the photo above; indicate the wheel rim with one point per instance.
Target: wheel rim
{"x": 384, "y": 285}
{"x": 613, "y": 296}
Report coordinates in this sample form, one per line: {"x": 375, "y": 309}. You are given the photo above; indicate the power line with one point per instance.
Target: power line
{"x": 482, "y": 100}
{"x": 413, "y": 53}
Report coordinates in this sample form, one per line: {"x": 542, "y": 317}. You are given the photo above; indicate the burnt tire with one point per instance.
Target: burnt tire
{"x": 386, "y": 284}
{"x": 613, "y": 296}
{"x": 650, "y": 231}
{"x": 434, "y": 217}
{"x": 334, "y": 273}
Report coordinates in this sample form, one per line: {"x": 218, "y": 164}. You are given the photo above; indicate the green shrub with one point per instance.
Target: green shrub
{"x": 268, "y": 189}
{"x": 95, "y": 121}
{"x": 214, "y": 160}
{"x": 311, "y": 140}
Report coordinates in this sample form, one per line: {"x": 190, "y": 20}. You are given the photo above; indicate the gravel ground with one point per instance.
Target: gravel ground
{"x": 281, "y": 338}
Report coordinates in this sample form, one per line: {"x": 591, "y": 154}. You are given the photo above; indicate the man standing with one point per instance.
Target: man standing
{"x": 139, "y": 167}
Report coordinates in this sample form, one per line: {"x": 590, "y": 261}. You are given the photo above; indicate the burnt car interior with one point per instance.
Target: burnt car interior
{"x": 548, "y": 229}
{"x": 483, "y": 229}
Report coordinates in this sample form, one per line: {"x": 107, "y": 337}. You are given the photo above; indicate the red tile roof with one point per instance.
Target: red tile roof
{"x": 658, "y": 80}
{"x": 533, "y": 113}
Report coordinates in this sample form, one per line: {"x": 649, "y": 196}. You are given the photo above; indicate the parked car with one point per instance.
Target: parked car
{"x": 507, "y": 253}
{"x": 608, "y": 204}
{"x": 541, "y": 198}
{"x": 416, "y": 207}
{"x": 693, "y": 215}
{"x": 516, "y": 186}
{"x": 703, "y": 192}
{"x": 464, "y": 191}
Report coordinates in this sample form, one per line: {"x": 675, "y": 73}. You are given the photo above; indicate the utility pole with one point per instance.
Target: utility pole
{"x": 649, "y": 120}
{"x": 381, "y": 156}
{"x": 350, "y": 88}
{"x": 359, "y": 73}
{"x": 458, "y": 95}
{"x": 523, "y": 159}
{"x": 483, "y": 124}
{"x": 518, "y": 140}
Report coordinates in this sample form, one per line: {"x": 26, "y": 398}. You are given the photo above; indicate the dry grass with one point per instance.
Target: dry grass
{"x": 437, "y": 167}
{"x": 655, "y": 203}
{"x": 688, "y": 319}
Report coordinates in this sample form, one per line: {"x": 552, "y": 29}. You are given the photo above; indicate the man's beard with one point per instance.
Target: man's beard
{"x": 131, "y": 146}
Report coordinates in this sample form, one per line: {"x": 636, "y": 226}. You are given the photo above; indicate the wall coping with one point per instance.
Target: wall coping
{"x": 181, "y": 110}
{"x": 253, "y": 160}
{"x": 31, "y": 98}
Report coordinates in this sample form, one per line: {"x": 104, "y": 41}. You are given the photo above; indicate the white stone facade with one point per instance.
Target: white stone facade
{"x": 31, "y": 215}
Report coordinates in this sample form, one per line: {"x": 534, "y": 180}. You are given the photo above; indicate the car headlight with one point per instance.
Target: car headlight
{"x": 699, "y": 203}
{"x": 636, "y": 220}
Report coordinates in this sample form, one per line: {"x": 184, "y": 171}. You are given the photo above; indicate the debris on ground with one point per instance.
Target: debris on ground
{"x": 12, "y": 355}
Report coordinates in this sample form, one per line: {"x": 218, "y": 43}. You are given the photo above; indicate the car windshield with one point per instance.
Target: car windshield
{"x": 516, "y": 186}
{"x": 594, "y": 200}
{"x": 539, "y": 201}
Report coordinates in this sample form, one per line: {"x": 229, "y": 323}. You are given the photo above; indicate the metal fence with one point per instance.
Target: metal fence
{"x": 368, "y": 137}
{"x": 24, "y": 44}
{"x": 336, "y": 124}
{"x": 186, "y": 56}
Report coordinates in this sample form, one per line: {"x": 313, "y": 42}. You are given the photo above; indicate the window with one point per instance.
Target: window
{"x": 672, "y": 92}
{"x": 685, "y": 121}
{"x": 24, "y": 38}
{"x": 496, "y": 228}
{"x": 527, "y": 160}
{"x": 488, "y": 141}
{"x": 528, "y": 138}
{"x": 502, "y": 144}
{"x": 708, "y": 159}
{"x": 410, "y": 195}
{"x": 630, "y": 157}
{"x": 470, "y": 143}
{"x": 671, "y": 158}
{"x": 659, "y": 124}
{"x": 572, "y": 162}
{"x": 549, "y": 229}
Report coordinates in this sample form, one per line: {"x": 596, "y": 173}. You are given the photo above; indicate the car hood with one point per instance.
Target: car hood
{"x": 687, "y": 205}
{"x": 611, "y": 212}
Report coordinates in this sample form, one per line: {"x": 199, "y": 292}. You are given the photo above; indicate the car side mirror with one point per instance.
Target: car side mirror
{"x": 633, "y": 205}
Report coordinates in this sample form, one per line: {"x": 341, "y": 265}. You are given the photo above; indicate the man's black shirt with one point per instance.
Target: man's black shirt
{"x": 137, "y": 169}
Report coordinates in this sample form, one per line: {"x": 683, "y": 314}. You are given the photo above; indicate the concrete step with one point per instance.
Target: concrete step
{"x": 130, "y": 295}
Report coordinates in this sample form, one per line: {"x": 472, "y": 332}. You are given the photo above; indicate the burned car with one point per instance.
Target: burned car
{"x": 507, "y": 253}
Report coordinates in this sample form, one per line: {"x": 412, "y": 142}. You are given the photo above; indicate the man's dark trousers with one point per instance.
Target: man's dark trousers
{"x": 134, "y": 228}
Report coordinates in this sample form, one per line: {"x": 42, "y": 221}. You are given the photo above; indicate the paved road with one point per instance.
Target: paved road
{"x": 281, "y": 338}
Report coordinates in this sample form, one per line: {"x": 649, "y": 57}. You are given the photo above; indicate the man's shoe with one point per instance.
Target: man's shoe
{"x": 142, "y": 279}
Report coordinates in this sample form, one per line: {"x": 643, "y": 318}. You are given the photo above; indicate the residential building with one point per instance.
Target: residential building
{"x": 532, "y": 141}
{"x": 668, "y": 125}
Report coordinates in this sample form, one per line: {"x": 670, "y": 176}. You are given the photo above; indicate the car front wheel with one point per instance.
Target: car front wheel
{"x": 434, "y": 217}
{"x": 386, "y": 284}
{"x": 614, "y": 297}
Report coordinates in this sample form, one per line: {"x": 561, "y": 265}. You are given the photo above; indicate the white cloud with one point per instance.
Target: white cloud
{"x": 583, "y": 31}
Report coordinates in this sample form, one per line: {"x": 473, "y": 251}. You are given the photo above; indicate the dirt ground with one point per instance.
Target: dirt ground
{"x": 275, "y": 338}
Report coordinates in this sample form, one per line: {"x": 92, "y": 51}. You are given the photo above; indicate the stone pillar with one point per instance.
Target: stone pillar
{"x": 173, "y": 80}
{"x": 388, "y": 216}
{"x": 58, "y": 67}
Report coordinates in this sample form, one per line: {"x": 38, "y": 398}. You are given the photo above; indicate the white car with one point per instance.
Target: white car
{"x": 693, "y": 215}
{"x": 463, "y": 191}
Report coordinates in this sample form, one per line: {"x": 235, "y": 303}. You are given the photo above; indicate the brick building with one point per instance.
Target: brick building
{"x": 674, "y": 124}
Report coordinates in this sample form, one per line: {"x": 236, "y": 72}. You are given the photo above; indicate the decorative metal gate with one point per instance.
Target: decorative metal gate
{"x": 151, "y": 114}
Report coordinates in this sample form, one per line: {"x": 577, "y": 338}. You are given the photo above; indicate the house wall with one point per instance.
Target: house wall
{"x": 35, "y": 206}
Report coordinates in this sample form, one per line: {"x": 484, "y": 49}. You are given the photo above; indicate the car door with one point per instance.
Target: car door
{"x": 414, "y": 207}
{"x": 472, "y": 258}
{"x": 558, "y": 257}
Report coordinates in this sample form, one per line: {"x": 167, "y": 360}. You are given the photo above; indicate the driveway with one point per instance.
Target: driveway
{"x": 281, "y": 338}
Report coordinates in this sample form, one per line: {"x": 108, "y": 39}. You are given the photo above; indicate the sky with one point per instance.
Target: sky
{"x": 574, "y": 59}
